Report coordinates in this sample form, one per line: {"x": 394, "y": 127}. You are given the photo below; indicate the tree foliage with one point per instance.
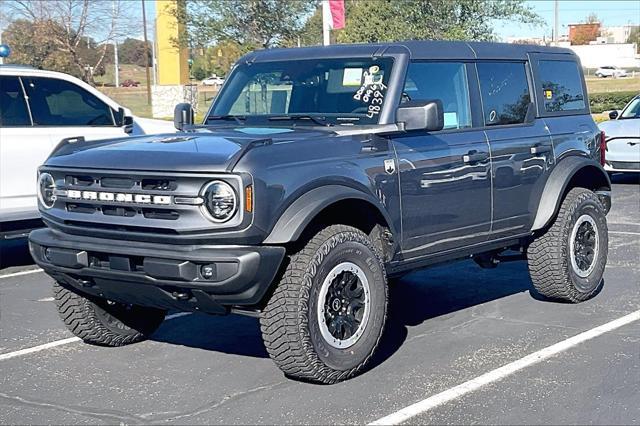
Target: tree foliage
{"x": 132, "y": 51}
{"x": 393, "y": 20}
{"x": 253, "y": 23}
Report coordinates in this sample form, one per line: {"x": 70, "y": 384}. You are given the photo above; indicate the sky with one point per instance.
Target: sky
{"x": 610, "y": 12}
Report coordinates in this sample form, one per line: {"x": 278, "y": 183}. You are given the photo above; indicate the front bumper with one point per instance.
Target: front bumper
{"x": 204, "y": 278}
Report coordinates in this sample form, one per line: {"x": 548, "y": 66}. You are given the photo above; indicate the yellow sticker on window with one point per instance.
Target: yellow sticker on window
{"x": 548, "y": 94}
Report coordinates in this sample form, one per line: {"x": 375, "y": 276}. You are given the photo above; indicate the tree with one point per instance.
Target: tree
{"x": 587, "y": 31}
{"x": 132, "y": 51}
{"x": 251, "y": 23}
{"x": 393, "y": 20}
{"x": 67, "y": 24}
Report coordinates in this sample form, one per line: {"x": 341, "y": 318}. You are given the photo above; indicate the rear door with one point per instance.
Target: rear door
{"x": 445, "y": 181}
{"x": 521, "y": 149}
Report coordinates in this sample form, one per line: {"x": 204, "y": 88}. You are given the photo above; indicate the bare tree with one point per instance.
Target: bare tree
{"x": 81, "y": 29}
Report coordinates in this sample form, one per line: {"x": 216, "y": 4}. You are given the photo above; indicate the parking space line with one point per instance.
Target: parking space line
{"x": 624, "y": 232}
{"x": 502, "y": 372}
{"x": 17, "y": 274}
{"x": 66, "y": 341}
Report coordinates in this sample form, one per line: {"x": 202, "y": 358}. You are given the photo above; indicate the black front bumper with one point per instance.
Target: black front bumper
{"x": 205, "y": 278}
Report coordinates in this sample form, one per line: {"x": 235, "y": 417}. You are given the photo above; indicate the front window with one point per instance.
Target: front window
{"x": 325, "y": 91}
{"x": 632, "y": 110}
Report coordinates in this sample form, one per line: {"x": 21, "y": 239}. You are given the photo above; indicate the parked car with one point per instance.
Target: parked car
{"x": 610, "y": 71}
{"x": 214, "y": 80}
{"x": 37, "y": 110}
{"x": 623, "y": 138}
{"x": 297, "y": 200}
{"x": 129, "y": 83}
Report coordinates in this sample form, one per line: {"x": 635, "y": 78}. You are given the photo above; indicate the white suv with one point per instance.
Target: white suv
{"x": 610, "y": 71}
{"x": 37, "y": 110}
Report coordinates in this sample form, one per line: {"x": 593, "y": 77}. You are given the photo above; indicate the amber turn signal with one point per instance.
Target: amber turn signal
{"x": 248, "y": 198}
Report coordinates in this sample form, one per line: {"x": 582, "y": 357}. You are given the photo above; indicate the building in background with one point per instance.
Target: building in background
{"x": 583, "y": 33}
{"x": 618, "y": 34}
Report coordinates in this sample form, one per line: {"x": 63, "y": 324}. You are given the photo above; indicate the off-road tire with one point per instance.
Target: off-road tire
{"x": 99, "y": 322}
{"x": 289, "y": 322}
{"x": 549, "y": 255}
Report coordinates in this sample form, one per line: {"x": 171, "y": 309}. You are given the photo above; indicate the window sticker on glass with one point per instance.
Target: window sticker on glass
{"x": 352, "y": 77}
{"x": 450, "y": 120}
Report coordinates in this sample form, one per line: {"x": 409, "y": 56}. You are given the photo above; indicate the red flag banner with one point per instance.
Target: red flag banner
{"x": 337, "y": 14}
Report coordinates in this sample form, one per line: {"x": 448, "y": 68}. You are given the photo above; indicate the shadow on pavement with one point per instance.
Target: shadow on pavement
{"x": 14, "y": 253}
{"x": 416, "y": 298}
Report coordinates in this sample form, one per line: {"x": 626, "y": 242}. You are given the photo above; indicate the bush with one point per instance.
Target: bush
{"x": 600, "y": 102}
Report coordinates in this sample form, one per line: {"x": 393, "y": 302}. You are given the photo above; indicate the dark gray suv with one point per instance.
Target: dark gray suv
{"x": 319, "y": 174}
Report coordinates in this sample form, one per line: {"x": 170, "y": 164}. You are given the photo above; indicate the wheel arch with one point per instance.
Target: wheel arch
{"x": 569, "y": 173}
{"x": 336, "y": 204}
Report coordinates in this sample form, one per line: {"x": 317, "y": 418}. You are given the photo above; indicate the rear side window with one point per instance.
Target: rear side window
{"x": 56, "y": 102}
{"x": 505, "y": 92}
{"x": 446, "y": 81}
{"x": 13, "y": 108}
{"x": 561, "y": 86}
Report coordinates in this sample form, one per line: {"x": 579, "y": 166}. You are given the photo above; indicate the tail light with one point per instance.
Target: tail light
{"x": 603, "y": 147}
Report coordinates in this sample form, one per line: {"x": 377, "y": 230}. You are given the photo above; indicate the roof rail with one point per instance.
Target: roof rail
{"x": 18, "y": 66}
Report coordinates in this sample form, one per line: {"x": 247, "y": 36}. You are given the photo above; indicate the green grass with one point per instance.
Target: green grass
{"x": 606, "y": 85}
{"x": 127, "y": 72}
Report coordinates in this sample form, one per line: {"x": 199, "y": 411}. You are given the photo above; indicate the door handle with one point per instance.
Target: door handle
{"x": 540, "y": 149}
{"x": 474, "y": 157}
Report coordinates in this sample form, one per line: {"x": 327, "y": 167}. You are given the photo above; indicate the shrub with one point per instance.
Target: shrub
{"x": 600, "y": 102}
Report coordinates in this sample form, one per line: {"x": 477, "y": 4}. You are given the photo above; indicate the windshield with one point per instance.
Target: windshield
{"x": 313, "y": 91}
{"x": 632, "y": 110}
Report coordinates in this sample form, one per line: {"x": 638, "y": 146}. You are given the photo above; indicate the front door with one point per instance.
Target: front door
{"x": 445, "y": 181}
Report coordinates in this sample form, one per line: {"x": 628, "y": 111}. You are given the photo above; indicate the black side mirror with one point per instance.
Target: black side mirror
{"x": 183, "y": 116}
{"x": 123, "y": 120}
{"x": 613, "y": 114}
{"x": 421, "y": 115}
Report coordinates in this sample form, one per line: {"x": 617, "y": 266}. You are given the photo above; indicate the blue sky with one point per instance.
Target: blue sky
{"x": 611, "y": 13}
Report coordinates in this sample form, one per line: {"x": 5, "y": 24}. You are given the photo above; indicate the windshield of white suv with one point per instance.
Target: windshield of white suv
{"x": 312, "y": 91}
{"x": 632, "y": 110}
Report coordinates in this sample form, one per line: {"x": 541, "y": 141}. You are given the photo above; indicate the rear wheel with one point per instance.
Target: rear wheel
{"x": 326, "y": 316}
{"x": 105, "y": 323}
{"x": 567, "y": 261}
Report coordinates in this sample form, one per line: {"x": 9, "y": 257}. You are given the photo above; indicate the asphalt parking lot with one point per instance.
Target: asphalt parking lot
{"x": 448, "y": 325}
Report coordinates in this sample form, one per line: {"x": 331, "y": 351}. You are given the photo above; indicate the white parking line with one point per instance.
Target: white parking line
{"x": 17, "y": 274}
{"x": 501, "y": 372}
{"x": 67, "y": 341}
{"x": 624, "y": 232}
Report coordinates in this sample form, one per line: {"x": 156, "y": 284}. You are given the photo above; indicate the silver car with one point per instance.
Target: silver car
{"x": 622, "y": 134}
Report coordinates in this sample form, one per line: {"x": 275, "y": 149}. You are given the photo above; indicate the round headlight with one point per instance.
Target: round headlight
{"x": 220, "y": 200}
{"x": 46, "y": 187}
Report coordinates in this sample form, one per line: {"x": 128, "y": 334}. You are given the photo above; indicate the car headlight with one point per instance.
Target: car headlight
{"x": 220, "y": 200}
{"x": 46, "y": 190}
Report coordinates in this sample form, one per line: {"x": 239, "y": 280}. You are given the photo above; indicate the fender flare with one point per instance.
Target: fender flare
{"x": 303, "y": 210}
{"x": 557, "y": 183}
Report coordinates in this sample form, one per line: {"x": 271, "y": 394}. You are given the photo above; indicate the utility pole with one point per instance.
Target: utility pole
{"x": 115, "y": 49}
{"x": 556, "y": 23}
{"x": 146, "y": 53}
{"x": 326, "y": 23}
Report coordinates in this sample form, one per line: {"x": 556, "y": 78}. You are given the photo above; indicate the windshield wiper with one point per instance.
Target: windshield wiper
{"x": 237, "y": 118}
{"x": 318, "y": 120}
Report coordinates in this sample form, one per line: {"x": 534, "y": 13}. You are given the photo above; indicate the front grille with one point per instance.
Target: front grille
{"x": 625, "y": 165}
{"x": 136, "y": 202}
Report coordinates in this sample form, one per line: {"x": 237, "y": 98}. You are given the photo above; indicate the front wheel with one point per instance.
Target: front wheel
{"x": 105, "y": 323}
{"x": 567, "y": 261}
{"x": 326, "y": 316}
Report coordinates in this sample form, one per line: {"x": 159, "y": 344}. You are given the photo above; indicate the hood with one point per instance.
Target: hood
{"x": 201, "y": 150}
{"x": 626, "y": 127}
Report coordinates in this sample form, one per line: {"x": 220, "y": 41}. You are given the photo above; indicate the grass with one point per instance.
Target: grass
{"x": 606, "y": 85}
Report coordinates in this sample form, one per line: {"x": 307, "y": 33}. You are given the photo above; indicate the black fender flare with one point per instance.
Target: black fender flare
{"x": 303, "y": 210}
{"x": 558, "y": 181}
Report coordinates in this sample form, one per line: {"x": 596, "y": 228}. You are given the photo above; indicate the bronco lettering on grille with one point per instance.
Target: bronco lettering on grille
{"x": 118, "y": 197}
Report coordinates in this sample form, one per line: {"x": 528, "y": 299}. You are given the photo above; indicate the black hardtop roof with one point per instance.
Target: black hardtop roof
{"x": 418, "y": 49}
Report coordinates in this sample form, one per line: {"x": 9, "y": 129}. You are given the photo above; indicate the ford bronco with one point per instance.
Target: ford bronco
{"x": 318, "y": 175}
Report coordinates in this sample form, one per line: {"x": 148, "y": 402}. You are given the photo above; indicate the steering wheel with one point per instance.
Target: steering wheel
{"x": 96, "y": 119}
{"x": 360, "y": 110}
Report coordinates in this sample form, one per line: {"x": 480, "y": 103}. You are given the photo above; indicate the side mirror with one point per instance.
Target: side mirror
{"x": 183, "y": 116}
{"x": 421, "y": 115}
{"x": 613, "y": 114}
{"x": 123, "y": 120}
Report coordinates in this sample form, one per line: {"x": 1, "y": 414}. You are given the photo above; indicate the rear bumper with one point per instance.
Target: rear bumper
{"x": 164, "y": 276}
